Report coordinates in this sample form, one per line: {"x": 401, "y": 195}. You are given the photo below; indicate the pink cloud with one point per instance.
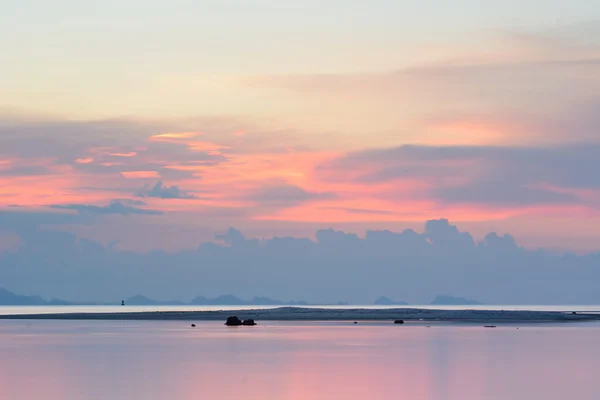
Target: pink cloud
{"x": 140, "y": 174}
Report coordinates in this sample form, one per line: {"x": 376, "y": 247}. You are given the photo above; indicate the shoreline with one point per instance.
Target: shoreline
{"x": 323, "y": 314}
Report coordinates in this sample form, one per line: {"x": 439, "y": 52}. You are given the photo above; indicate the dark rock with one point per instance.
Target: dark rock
{"x": 355, "y": 322}
{"x": 489, "y": 326}
{"x": 398, "y": 321}
{"x": 193, "y": 325}
{"x": 233, "y": 321}
{"x": 249, "y": 322}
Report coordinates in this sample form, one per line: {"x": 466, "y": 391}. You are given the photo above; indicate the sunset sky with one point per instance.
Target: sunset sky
{"x": 161, "y": 123}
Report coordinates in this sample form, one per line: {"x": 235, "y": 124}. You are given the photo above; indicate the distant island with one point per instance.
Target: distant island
{"x": 11, "y": 299}
{"x": 139, "y": 300}
{"x": 445, "y": 300}
{"x": 224, "y": 300}
{"x": 385, "y": 301}
{"x": 8, "y": 298}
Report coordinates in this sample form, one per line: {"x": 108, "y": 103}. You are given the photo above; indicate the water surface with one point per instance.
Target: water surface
{"x": 298, "y": 361}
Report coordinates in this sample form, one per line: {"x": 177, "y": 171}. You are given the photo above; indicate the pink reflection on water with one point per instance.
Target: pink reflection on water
{"x": 171, "y": 360}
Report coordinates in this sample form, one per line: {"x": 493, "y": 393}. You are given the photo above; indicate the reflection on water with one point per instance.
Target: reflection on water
{"x": 171, "y": 360}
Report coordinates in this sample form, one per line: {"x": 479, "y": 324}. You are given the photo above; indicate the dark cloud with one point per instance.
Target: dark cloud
{"x": 115, "y": 207}
{"x": 104, "y": 189}
{"x": 102, "y": 143}
{"x": 500, "y": 192}
{"x": 233, "y": 237}
{"x": 161, "y": 191}
{"x": 484, "y": 174}
{"x": 131, "y": 202}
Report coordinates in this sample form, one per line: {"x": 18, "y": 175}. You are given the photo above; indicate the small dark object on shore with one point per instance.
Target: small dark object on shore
{"x": 490, "y": 326}
{"x": 249, "y": 322}
{"x": 355, "y": 322}
{"x": 398, "y": 321}
{"x": 233, "y": 321}
{"x": 122, "y": 302}
{"x": 193, "y": 325}
{"x": 574, "y": 313}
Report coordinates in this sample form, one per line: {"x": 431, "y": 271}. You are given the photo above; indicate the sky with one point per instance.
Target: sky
{"x": 148, "y": 125}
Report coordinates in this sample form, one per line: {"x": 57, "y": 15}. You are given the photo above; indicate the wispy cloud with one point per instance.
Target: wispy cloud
{"x": 115, "y": 207}
{"x": 362, "y": 211}
{"x": 525, "y": 88}
{"x": 284, "y": 195}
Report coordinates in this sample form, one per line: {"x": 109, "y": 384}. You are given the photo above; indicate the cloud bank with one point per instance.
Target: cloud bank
{"x": 335, "y": 266}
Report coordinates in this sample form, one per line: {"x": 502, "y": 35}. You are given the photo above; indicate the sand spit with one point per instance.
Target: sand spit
{"x": 326, "y": 314}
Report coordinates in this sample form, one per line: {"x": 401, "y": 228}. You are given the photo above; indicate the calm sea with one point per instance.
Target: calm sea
{"x": 155, "y": 360}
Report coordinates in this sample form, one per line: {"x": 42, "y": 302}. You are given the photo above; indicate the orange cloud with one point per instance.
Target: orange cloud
{"x": 467, "y": 133}
{"x": 36, "y": 191}
{"x": 165, "y": 137}
{"x": 207, "y": 147}
{"x": 187, "y": 138}
{"x": 130, "y": 154}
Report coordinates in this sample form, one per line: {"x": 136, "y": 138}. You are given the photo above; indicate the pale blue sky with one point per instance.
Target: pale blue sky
{"x": 253, "y": 36}
{"x": 55, "y": 51}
